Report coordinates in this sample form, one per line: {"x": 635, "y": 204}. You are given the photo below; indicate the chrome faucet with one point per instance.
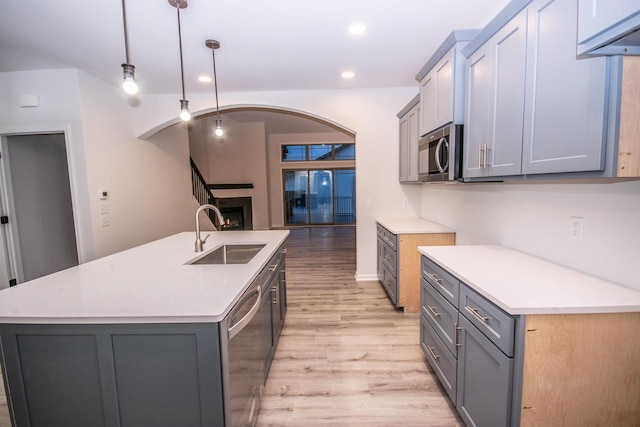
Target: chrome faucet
{"x": 200, "y": 242}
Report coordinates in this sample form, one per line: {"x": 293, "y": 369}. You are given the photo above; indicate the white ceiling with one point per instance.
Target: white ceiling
{"x": 266, "y": 45}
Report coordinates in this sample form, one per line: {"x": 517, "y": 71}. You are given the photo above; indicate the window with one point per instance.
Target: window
{"x": 325, "y": 196}
{"x": 294, "y": 153}
{"x": 318, "y": 152}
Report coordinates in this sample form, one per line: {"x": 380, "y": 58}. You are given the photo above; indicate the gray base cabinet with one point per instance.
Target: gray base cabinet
{"x": 484, "y": 379}
{"x": 469, "y": 343}
{"x": 527, "y": 370}
{"x": 113, "y": 375}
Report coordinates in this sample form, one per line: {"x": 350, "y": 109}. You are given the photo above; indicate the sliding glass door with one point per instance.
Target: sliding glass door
{"x": 319, "y": 197}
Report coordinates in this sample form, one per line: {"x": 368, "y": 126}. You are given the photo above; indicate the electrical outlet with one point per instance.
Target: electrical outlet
{"x": 576, "y": 224}
{"x": 405, "y": 203}
{"x": 369, "y": 203}
{"x": 105, "y": 221}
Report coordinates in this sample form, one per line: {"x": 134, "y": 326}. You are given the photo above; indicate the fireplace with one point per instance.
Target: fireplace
{"x": 237, "y": 211}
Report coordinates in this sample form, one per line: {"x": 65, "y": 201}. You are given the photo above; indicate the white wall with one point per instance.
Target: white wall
{"x": 59, "y": 111}
{"x": 370, "y": 113}
{"x": 149, "y": 181}
{"x": 534, "y": 218}
{"x": 239, "y": 157}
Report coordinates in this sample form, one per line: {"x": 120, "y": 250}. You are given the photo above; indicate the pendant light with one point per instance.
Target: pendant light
{"x": 185, "y": 115}
{"x": 213, "y": 45}
{"x": 128, "y": 71}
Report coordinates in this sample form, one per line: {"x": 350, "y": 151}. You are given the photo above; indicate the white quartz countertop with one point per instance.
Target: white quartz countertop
{"x": 523, "y": 284}
{"x": 412, "y": 226}
{"x": 151, "y": 283}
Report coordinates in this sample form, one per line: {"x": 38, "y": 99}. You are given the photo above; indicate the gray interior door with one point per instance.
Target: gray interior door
{"x": 38, "y": 204}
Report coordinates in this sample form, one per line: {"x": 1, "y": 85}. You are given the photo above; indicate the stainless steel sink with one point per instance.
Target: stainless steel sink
{"x": 230, "y": 254}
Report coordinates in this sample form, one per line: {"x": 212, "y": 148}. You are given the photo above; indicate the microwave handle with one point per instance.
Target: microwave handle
{"x": 441, "y": 168}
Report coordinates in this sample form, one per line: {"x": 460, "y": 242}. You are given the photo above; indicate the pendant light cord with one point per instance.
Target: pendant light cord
{"x": 180, "y": 41}
{"x": 126, "y": 37}
{"x": 215, "y": 80}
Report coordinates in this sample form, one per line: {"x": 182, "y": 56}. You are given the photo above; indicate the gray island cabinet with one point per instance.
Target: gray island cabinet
{"x": 516, "y": 340}
{"x": 143, "y": 338}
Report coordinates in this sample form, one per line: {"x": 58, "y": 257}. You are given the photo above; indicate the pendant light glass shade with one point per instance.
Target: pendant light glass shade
{"x": 128, "y": 71}
{"x": 219, "y": 131}
{"x": 185, "y": 115}
{"x": 129, "y": 84}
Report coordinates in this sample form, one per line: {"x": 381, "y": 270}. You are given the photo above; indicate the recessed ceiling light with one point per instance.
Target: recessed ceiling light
{"x": 357, "y": 28}
{"x": 348, "y": 74}
{"x": 204, "y": 79}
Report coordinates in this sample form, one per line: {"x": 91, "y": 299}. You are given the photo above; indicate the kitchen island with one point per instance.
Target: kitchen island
{"x": 141, "y": 337}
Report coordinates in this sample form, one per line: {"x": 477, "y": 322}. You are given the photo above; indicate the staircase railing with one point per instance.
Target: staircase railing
{"x": 201, "y": 191}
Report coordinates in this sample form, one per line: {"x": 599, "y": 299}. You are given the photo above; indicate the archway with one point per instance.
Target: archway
{"x": 247, "y": 165}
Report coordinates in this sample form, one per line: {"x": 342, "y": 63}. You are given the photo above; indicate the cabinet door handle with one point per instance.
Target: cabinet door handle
{"x": 433, "y": 311}
{"x": 433, "y": 277}
{"x": 433, "y": 354}
{"x": 274, "y": 267}
{"x": 456, "y": 328}
{"x": 480, "y": 150}
{"x": 486, "y": 153}
{"x": 477, "y": 315}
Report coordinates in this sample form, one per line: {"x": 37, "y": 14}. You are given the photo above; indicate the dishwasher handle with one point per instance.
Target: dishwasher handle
{"x": 238, "y": 326}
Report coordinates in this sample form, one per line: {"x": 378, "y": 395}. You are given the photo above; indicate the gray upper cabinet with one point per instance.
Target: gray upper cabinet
{"x": 495, "y": 103}
{"x": 564, "y": 128}
{"x": 442, "y": 84}
{"x": 436, "y": 91}
{"x": 408, "y": 141}
{"x": 532, "y": 107}
{"x": 602, "y": 22}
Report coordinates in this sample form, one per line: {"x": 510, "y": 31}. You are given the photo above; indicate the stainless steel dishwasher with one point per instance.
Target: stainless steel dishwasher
{"x": 243, "y": 364}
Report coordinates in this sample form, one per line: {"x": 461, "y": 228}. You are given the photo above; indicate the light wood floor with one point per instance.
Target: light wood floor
{"x": 346, "y": 357}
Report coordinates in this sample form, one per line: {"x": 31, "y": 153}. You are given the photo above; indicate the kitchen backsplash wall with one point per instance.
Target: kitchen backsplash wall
{"x": 535, "y": 218}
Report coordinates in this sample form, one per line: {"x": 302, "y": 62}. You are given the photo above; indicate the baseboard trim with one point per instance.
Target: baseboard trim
{"x": 366, "y": 277}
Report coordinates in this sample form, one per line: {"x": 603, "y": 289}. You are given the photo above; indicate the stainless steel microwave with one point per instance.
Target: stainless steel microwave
{"x": 440, "y": 155}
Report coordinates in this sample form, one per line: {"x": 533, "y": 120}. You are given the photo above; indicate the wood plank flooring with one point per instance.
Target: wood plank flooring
{"x": 346, "y": 357}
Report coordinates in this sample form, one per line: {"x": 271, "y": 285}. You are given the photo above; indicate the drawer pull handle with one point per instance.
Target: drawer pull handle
{"x": 433, "y": 311}
{"x": 433, "y": 354}
{"x": 388, "y": 240}
{"x": 387, "y": 258}
{"x": 433, "y": 277}
{"x": 477, "y": 315}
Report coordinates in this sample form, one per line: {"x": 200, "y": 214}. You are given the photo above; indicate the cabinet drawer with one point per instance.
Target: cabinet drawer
{"x": 388, "y": 237}
{"x": 440, "y": 314}
{"x": 390, "y": 259}
{"x": 390, "y": 284}
{"x": 440, "y": 359}
{"x": 497, "y": 325}
{"x": 442, "y": 281}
